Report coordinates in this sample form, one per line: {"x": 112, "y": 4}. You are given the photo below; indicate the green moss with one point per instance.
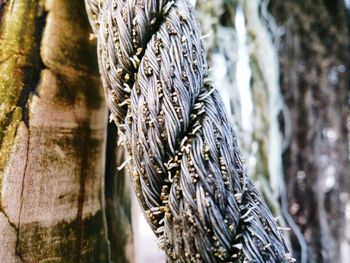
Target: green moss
{"x": 39, "y": 243}
{"x": 10, "y": 133}
{"x": 17, "y": 34}
{"x": 71, "y": 59}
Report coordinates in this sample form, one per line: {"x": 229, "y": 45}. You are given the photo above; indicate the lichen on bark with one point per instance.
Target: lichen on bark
{"x": 18, "y": 59}
{"x": 52, "y": 135}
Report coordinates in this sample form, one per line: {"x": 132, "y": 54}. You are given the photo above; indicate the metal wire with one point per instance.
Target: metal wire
{"x": 184, "y": 159}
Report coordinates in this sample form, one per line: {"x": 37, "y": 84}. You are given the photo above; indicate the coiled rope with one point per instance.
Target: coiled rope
{"x": 183, "y": 154}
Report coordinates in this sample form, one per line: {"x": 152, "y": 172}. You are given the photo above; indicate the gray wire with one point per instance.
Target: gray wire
{"x": 185, "y": 164}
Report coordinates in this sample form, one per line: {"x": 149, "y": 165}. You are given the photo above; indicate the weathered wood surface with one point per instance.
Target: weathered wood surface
{"x": 52, "y": 135}
{"x": 314, "y": 58}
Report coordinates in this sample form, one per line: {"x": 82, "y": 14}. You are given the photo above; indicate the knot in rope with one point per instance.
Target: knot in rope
{"x": 183, "y": 155}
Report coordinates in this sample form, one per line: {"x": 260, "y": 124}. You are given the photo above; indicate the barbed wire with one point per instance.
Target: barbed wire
{"x": 182, "y": 152}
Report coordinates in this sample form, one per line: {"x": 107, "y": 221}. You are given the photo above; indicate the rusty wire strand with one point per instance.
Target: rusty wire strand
{"x": 184, "y": 159}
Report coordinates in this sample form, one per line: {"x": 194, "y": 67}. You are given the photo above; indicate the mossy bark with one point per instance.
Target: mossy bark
{"x": 53, "y": 126}
{"x": 314, "y": 59}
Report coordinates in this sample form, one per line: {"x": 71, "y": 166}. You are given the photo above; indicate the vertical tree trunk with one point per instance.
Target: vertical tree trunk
{"x": 314, "y": 59}
{"x": 52, "y": 135}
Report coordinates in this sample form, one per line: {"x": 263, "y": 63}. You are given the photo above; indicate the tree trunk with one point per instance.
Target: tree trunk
{"x": 53, "y": 126}
{"x": 314, "y": 59}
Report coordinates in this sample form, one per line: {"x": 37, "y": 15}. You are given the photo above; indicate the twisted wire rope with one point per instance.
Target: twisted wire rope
{"x": 183, "y": 155}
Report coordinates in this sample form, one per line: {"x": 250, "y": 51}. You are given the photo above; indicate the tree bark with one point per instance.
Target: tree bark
{"x": 314, "y": 57}
{"x": 53, "y": 124}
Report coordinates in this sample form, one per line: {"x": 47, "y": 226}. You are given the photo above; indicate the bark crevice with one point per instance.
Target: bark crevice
{"x": 12, "y": 224}
{"x": 18, "y": 252}
{"x": 33, "y": 72}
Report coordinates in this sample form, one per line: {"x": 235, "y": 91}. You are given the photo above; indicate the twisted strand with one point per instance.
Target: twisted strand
{"x": 185, "y": 165}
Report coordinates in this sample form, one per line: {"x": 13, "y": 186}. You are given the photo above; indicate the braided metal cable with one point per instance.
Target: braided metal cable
{"x": 184, "y": 159}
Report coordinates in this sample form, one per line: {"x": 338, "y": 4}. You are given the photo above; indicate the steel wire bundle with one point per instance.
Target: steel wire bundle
{"x": 182, "y": 152}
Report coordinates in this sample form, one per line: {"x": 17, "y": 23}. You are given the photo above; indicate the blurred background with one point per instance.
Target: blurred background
{"x": 282, "y": 68}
